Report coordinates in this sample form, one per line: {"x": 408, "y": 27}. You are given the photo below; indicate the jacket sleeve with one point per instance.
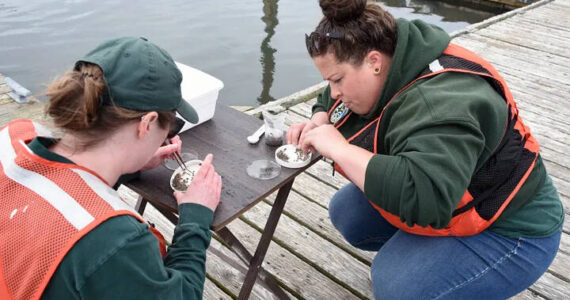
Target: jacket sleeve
{"x": 323, "y": 101}
{"x": 135, "y": 270}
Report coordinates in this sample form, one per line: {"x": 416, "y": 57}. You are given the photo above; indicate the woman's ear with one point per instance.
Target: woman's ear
{"x": 146, "y": 122}
{"x": 374, "y": 61}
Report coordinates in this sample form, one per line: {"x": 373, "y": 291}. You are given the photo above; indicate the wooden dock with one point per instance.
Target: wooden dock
{"x": 501, "y": 4}
{"x": 10, "y": 109}
{"x": 308, "y": 256}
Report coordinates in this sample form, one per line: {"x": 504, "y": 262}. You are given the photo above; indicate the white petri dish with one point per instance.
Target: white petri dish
{"x": 290, "y": 156}
{"x": 180, "y": 180}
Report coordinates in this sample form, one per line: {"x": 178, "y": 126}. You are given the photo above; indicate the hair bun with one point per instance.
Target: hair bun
{"x": 342, "y": 11}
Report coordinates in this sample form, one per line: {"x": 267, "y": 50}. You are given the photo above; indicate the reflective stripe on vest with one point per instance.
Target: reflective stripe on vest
{"x": 46, "y": 208}
{"x": 484, "y": 200}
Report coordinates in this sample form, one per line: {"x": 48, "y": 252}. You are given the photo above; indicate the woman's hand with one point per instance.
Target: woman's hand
{"x": 205, "y": 188}
{"x": 297, "y": 132}
{"x": 326, "y": 139}
{"x": 164, "y": 152}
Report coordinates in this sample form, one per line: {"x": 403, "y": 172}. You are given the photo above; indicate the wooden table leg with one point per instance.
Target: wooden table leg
{"x": 257, "y": 259}
{"x": 141, "y": 204}
{"x": 243, "y": 254}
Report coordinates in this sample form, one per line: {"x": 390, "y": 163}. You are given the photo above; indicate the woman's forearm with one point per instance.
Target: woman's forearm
{"x": 353, "y": 160}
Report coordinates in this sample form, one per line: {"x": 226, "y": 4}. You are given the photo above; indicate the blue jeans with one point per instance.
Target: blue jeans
{"x": 407, "y": 266}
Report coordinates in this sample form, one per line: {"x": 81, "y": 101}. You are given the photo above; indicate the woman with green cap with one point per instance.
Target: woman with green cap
{"x": 66, "y": 234}
{"x": 447, "y": 183}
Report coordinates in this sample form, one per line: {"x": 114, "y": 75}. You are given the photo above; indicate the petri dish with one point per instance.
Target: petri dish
{"x": 263, "y": 169}
{"x": 180, "y": 180}
{"x": 290, "y": 156}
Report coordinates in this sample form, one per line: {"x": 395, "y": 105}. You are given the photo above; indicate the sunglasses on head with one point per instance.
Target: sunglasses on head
{"x": 175, "y": 127}
{"x": 314, "y": 40}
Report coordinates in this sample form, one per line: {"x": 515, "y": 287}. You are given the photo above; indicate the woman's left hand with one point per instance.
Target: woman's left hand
{"x": 164, "y": 152}
{"x": 326, "y": 139}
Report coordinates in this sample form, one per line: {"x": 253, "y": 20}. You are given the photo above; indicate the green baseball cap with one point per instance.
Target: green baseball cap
{"x": 140, "y": 76}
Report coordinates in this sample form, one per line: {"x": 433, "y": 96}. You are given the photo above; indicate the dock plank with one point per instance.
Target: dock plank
{"x": 212, "y": 291}
{"x": 561, "y": 262}
{"x": 316, "y": 218}
{"x": 300, "y": 277}
{"x": 527, "y": 295}
{"x": 516, "y": 57}
{"x": 230, "y": 277}
{"x": 303, "y": 242}
{"x": 551, "y": 287}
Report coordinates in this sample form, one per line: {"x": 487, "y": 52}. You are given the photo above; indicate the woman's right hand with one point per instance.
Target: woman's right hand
{"x": 296, "y": 133}
{"x": 205, "y": 188}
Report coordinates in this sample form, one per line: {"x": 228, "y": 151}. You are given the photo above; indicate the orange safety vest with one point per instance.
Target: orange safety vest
{"x": 46, "y": 208}
{"x": 485, "y": 199}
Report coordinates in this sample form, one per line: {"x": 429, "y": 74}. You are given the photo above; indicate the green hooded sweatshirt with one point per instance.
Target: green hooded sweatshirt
{"x": 435, "y": 135}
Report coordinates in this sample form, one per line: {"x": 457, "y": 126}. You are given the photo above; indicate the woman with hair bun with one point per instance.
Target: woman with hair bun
{"x": 447, "y": 183}
{"x": 66, "y": 234}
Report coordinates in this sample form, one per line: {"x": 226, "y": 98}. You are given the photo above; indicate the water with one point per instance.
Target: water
{"x": 256, "y": 47}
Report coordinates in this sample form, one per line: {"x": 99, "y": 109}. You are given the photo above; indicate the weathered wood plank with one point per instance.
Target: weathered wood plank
{"x": 324, "y": 171}
{"x": 292, "y": 118}
{"x": 295, "y": 273}
{"x": 305, "y": 243}
{"x": 554, "y": 155}
{"x": 527, "y": 295}
{"x": 565, "y": 243}
{"x": 541, "y": 128}
{"x": 500, "y": 53}
{"x": 531, "y": 36}
{"x": 560, "y": 265}
{"x": 213, "y": 292}
{"x": 553, "y": 13}
{"x": 314, "y": 189}
{"x": 231, "y": 278}
{"x": 551, "y": 287}
{"x": 316, "y": 218}
{"x": 561, "y": 120}
{"x": 304, "y": 109}
{"x": 536, "y": 91}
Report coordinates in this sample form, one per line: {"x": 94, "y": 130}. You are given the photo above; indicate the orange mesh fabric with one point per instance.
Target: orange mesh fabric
{"x": 37, "y": 232}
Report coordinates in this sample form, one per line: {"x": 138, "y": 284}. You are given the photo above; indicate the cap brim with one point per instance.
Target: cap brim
{"x": 187, "y": 112}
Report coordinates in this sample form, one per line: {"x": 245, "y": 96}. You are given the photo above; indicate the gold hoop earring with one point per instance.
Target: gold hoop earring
{"x": 377, "y": 71}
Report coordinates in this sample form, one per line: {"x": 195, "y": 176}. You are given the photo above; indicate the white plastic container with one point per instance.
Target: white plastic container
{"x": 201, "y": 91}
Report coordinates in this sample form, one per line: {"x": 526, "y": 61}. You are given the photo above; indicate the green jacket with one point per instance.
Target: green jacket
{"x": 120, "y": 258}
{"x": 435, "y": 135}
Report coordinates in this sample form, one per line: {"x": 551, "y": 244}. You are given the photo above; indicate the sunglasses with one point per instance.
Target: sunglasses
{"x": 314, "y": 41}
{"x": 175, "y": 127}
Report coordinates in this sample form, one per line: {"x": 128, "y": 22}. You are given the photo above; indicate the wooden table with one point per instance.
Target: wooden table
{"x": 225, "y": 137}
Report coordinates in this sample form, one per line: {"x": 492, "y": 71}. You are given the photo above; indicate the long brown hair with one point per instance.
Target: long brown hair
{"x": 352, "y": 28}
{"x": 76, "y": 106}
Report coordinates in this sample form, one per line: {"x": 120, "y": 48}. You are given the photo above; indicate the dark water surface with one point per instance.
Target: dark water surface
{"x": 256, "y": 47}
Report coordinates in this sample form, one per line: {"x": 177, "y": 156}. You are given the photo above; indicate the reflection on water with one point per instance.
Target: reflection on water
{"x": 40, "y": 39}
{"x": 267, "y": 57}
